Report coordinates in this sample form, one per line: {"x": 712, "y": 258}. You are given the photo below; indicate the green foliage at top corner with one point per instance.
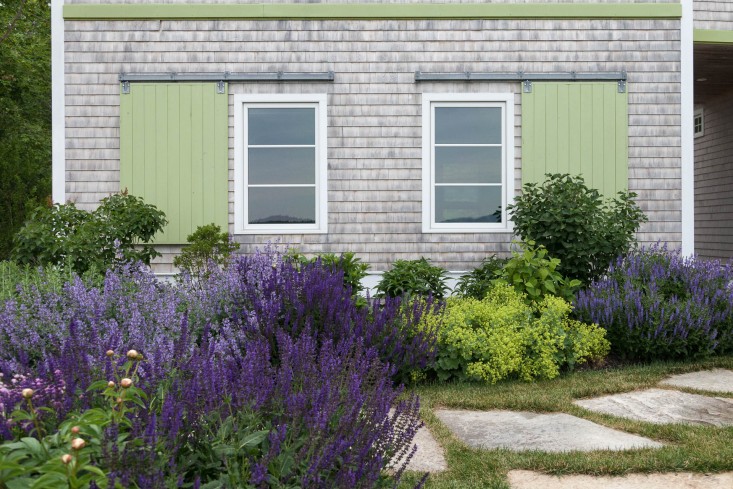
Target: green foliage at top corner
{"x": 414, "y": 278}
{"x": 576, "y": 224}
{"x": 65, "y": 236}
{"x": 209, "y": 247}
{"x": 505, "y": 336}
{"x": 479, "y": 281}
{"x": 535, "y": 274}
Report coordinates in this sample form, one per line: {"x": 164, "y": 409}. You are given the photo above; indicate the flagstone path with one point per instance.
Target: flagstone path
{"x": 562, "y": 432}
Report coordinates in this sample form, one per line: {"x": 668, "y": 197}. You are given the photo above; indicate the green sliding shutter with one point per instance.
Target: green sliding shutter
{"x": 174, "y": 153}
{"x": 577, "y": 128}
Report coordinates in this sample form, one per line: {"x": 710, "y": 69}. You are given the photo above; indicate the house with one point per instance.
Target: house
{"x": 393, "y": 129}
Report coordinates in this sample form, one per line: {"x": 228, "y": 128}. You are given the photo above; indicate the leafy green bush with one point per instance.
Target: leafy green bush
{"x": 534, "y": 273}
{"x": 576, "y": 224}
{"x": 479, "y": 281}
{"x": 353, "y": 268}
{"x": 208, "y": 247}
{"x": 65, "y": 236}
{"x": 413, "y": 277}
{"x": 502, "y": 336}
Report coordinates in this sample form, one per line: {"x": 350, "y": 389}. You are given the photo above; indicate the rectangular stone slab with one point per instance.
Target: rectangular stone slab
{"x": 716, "y": 380}
{"x": 662, "y": 406}
{"x": 555, "y": 432}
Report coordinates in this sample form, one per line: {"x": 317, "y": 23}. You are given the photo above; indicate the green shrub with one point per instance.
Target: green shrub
{"x": 65, "y": 236}
{"x": 209, "y": 247}
{"x": 575, "y": 224}
{"x": 477, "y": 282}
{"x": 413, "y": 277}
{"x": 535, "y": 274}
{"x": 502, "y": 336}
{"x": 353, "y": 268}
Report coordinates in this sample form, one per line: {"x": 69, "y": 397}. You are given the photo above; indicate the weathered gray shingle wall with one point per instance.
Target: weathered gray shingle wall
{"x": 714, "y": 180}
{"x": 713, "y": 14}
{"x": 374, "y": 118}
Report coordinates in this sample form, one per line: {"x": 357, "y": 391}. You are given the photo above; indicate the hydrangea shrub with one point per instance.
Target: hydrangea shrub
{"x": 656, "y": 304}
{"x": 503, "y": 336}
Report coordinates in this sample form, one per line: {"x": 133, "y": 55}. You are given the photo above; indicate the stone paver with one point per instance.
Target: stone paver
{"x": 519, "y": 431}
{"x": 661, "y": 406}
{"x": 524, "y": 479}
{"x": 429, "y": 456}
{"x": 717, "y": 380}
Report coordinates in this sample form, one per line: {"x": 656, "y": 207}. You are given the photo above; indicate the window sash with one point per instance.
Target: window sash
{"x": 265, "y": 180}
{"x": 467, "y": 225}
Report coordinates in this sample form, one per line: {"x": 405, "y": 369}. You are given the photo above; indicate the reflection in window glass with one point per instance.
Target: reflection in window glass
{"x": 281, "y": 126}
{"x": 467, "y": 204}
{"x": 282, "y": 165}
{"x": 467, "y": 164}
{"x": 281, "y": 158}
{"x": 289, "y": 205}
{"x": 468, "y": 125}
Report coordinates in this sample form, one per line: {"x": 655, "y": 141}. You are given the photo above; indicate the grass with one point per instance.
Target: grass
{"x": 688, "y": 448}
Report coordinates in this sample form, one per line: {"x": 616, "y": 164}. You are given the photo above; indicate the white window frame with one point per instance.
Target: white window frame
{"x": 243, "y": 101}
{"x": 699, "y": 114}
{"x": 429, "y": 102}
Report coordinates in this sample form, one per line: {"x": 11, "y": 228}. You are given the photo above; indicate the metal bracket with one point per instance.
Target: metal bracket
{"x": 125, "y": 87}
{"x": 220, "y": 86}
{"x": 527, "y": 84}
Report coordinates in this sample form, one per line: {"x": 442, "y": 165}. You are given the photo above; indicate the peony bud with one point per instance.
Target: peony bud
{"x": 110, "y": 353}
{"x": 78, "y": 443}
{"x": 27, "y": 393}
{"x": 75, "y": 430}
{"x": 125, "y": 383}
{"x": 119, "y": 400}
{"x": 111, "y": 384}
{"x": 66, "y": 459}
{"x": 132, "y": 354}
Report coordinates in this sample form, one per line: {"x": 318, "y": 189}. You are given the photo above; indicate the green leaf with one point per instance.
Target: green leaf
{"x": 253, "y": 439}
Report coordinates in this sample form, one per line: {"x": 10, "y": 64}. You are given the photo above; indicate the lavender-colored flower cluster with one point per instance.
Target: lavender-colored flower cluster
{"x": 290, "y": 344}
{"x": 656, "y": 304}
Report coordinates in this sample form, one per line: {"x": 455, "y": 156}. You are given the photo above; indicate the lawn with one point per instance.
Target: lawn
{"x": 689, "y": 448}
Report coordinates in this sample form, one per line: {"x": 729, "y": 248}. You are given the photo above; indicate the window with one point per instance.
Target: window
{"x": 280, "y": 163}
{"x": 468, "y": 161}
{"x": 699, "y": 123}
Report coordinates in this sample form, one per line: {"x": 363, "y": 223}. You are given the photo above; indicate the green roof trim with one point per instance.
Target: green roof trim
{"x": 704, "y": 36}
{"x": 375, "y": 11}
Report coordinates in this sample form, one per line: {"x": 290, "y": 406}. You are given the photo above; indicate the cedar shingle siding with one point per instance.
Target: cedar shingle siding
{"x": 374, "y": 105}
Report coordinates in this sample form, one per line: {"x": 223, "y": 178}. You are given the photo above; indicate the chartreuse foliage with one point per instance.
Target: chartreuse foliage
{"x": 576, "y": 224}
{"x": 502, "y": 336}
{"x": 65, "y": 236}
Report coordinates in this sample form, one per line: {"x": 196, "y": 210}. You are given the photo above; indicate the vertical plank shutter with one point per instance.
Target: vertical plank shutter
{"x": 174, "y": 153}
{"x": 578, "y": 128}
